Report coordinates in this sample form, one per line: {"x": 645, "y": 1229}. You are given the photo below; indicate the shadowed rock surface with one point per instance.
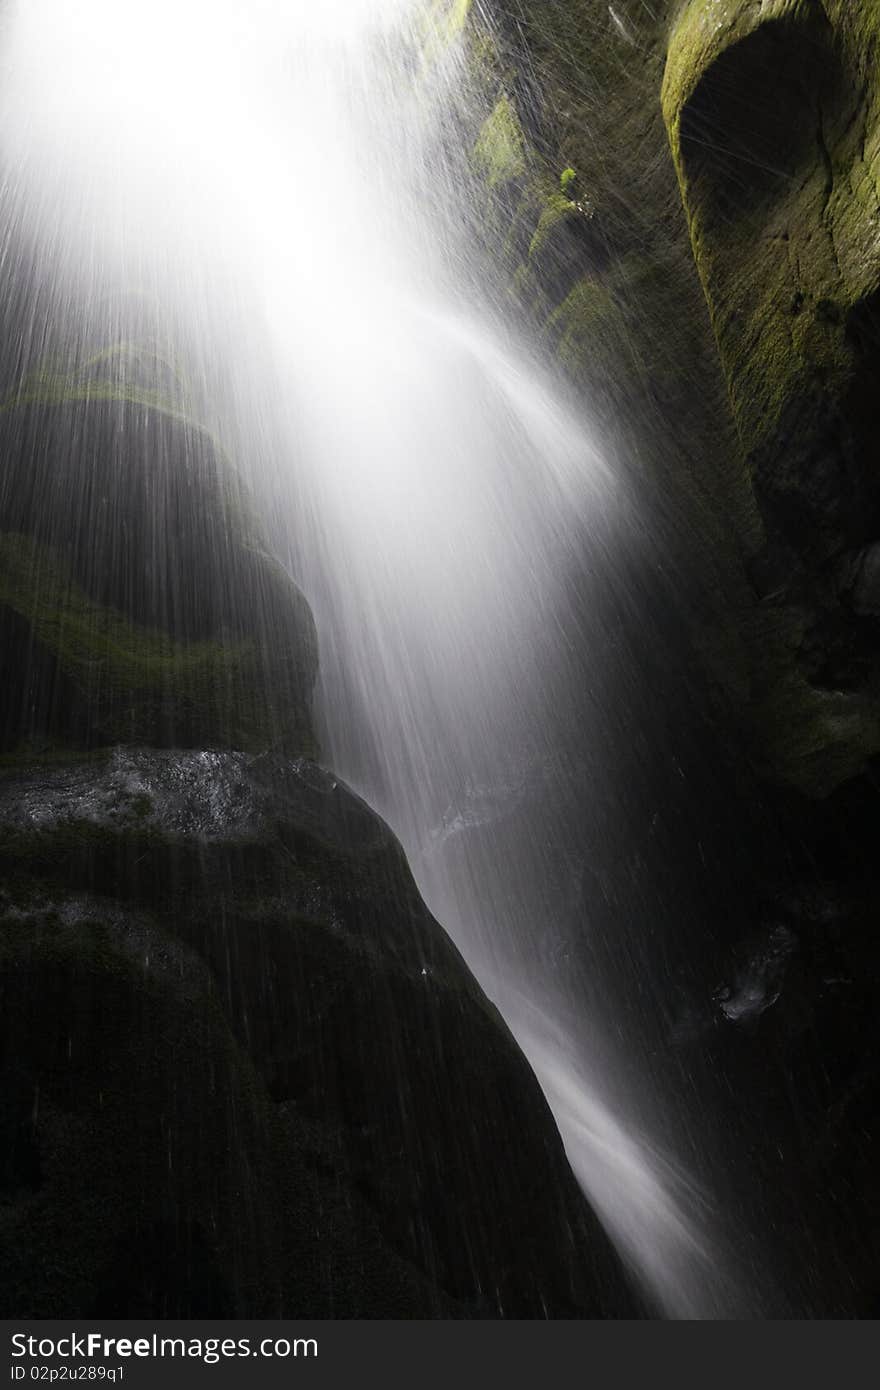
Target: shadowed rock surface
{"x": 244, "y": 1071}
{"x": 248, "y": 1074}
{"x": 709, "y": 283}
{"x": 138, "y": 601}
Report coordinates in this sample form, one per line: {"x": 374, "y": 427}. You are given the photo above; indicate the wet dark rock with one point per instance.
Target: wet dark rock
{"x": 247, "y": 1072}
{"x": 244, "y": 1072}
{"x": 864, "y": 585}
{"x": 138, "y": 600}
{"x": 760, "y": 978}
{"x": 734, "y": 159}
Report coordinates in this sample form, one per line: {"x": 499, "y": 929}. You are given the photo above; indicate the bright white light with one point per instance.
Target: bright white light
{"x": 169, "y": 121}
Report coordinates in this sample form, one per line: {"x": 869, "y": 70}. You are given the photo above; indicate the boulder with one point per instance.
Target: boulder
{"x": 245, "y": 1072}
{"x": 138, "y": 601}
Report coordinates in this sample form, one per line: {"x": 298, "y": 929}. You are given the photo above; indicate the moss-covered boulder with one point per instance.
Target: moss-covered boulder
{"x": 246, "y": 1074}
{"x": 138, "y": 602}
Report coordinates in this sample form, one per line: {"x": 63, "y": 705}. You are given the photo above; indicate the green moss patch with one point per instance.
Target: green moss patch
{"x": 128, "y": 683}
{"x": 500, "y": 150}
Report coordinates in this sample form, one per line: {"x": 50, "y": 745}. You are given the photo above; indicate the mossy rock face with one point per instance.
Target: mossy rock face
{"x": 726, "y": 336}
{"x": 771, "y": 125}
{"x": 607, "y": 280}
{"x": 583, "y": 84}
{"x": 774, "y": 120}
{"x": 499, "y": 150}
{"x": 236, "y": 1040}
{"x": 137, "y": 601}
{"x": 732, "y": 350}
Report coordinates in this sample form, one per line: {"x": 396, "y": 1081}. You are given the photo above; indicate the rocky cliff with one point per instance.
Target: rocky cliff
{"x": 681, "y": 199}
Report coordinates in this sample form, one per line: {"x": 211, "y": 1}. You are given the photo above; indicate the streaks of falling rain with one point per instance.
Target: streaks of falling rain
{"x": 271, "y": 194}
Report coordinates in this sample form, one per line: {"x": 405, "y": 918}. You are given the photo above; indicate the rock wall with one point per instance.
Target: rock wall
{"x": 772, "y": 116}
{"x": 680, "y": 199}
{"x": 727, "y": 357}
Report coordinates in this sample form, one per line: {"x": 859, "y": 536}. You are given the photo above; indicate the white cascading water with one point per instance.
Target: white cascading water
{"x": 260, "y": 172}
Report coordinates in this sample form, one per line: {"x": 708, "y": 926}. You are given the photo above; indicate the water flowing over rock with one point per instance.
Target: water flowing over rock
{"x": 245, "y": 1072}
{"x": 516, "y": 358}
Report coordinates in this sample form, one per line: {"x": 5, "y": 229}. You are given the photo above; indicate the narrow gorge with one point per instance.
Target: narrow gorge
{"x": 440, "y": 622}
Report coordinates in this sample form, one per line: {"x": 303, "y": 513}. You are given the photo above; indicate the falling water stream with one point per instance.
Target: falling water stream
{"x": 272, "y": 183}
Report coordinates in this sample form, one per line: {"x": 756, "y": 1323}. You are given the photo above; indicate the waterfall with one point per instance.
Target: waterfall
{"x": 278, "y": 191}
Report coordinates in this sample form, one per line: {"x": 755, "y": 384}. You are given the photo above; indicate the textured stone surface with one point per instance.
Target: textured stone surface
{"x": 723, "y": 330}
{"x": 243, "y": 1071}
{"x": 772, "y": 114}
{"x": 137, "y": 599}
{"x": 753, "y": 424}
{"x": 246, "y": 1074}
